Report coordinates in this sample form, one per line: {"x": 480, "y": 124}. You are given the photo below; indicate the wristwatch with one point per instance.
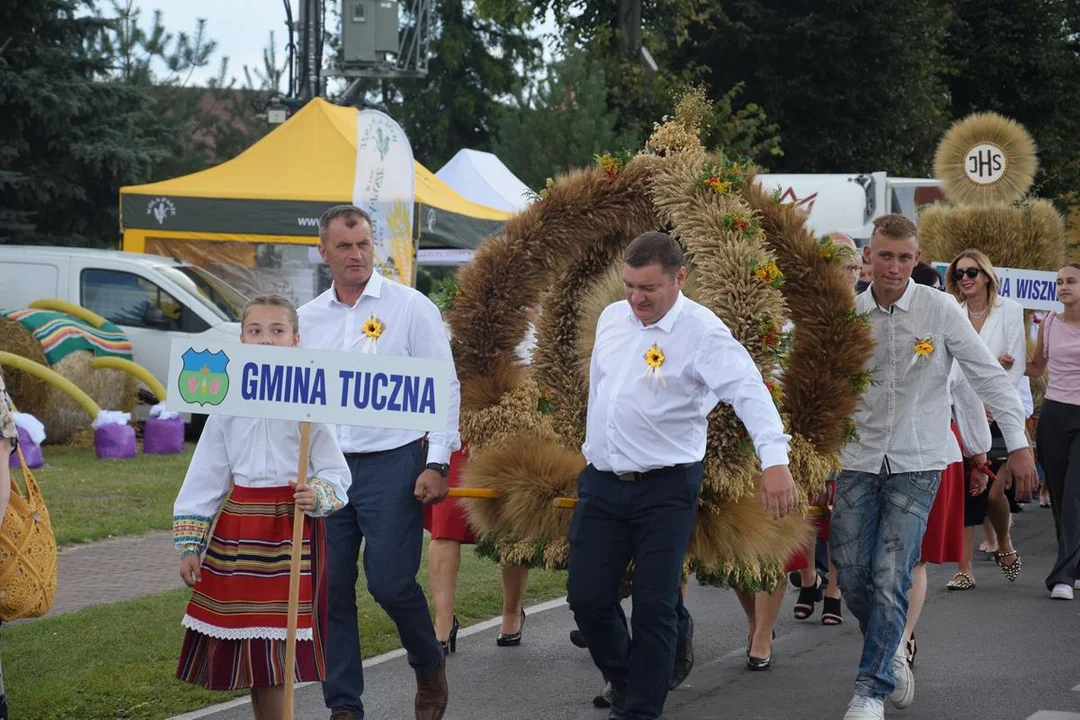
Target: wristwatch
{"x": 441, "y": 468}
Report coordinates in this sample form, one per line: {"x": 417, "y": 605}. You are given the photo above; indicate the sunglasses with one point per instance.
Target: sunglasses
{"x": 969, "y": 273}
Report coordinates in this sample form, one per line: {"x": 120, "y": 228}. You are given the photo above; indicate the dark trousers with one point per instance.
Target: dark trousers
{"x": 383, "y": 512}
{"x": 1058, "y": 445}
{"x": 648, "y": 523}
{"x": 683, "y": 629}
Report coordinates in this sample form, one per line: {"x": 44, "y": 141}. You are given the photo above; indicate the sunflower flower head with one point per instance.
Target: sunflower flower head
{"x": 654, "y": 357}
{"x": 374, "y": 327}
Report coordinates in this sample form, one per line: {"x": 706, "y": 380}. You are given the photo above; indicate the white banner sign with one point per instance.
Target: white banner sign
{"x": 336, "y": 388}
{"x": 384, "y": 187}
{"x": 1034, "y": 289}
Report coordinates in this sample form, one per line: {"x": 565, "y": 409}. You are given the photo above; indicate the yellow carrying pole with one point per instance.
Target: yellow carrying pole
{"x": 133, "y": 369}
{"x": 564, "y": 503}
{"x": 294, "y": 575}
{"x": 483, "y": 493}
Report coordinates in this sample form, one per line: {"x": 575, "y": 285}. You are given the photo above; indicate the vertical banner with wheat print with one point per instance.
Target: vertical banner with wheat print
{"x": 384, "y": 187}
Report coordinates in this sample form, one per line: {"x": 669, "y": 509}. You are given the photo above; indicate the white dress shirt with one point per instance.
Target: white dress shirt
{"x": 412, "y": 328}
{"x": 638, "y": 423}
{"x": 970, "y": 416}
{"x": 904, "y": 413}
{"x": 256, "y": 453}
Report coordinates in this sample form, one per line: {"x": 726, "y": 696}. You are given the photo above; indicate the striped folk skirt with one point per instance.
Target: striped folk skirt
{"x": 238, "y": 614}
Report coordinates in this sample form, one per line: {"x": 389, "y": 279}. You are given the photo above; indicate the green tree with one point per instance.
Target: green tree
{"x": 67, "y": 141}
{"x": 1025, "y": 65}
{"x": 195, "y": 126}
{"x": 612, "y": 35}
{"x": 855, "y": 84}
{"x": 560, "y": 125}
{"x": 474, "y": 63}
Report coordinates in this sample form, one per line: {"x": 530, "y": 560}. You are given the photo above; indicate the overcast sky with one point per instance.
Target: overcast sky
{"x": 240, "y": 27}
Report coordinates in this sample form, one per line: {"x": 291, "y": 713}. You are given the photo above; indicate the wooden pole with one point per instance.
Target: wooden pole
{"x": 483, "y": 493}
{"x": 294, "y": 574}
{"x": 564, "y": 503}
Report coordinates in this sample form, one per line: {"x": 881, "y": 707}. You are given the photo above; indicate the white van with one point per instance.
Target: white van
{"x": 152, "y": 298}
{"x": 849, "y": 202}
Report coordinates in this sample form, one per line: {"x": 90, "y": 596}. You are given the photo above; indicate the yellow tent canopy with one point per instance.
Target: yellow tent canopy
{"x": 275, "y": 191}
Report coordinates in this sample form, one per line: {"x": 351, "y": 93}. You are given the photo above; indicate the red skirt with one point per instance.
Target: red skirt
{"x": 446, "y": 521}
{"x": 238, "y": 614}
{"x": 944, "y": 538}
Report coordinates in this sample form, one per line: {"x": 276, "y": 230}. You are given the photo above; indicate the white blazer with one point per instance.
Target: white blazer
{"x": 1003, "y": 332}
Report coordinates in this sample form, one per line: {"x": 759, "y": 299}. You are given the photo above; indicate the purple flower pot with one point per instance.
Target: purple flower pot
{"x": 163, "y": 437}
{"x": 114, "y": 442}
{"x": 31, "y": 451}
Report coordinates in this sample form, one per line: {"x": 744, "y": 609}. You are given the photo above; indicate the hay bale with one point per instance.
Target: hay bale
{"x": 27, "y": 391}
{"x": 110, "y": 389}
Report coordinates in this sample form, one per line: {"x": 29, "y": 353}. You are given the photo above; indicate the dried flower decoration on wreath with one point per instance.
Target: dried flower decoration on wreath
{"x": 768, "y": 273}
{"x": 725, "y": 179}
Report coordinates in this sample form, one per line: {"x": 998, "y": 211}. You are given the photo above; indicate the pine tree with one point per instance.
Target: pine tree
{"x": 67, "y": 140}
{"x": 563, "y": 125}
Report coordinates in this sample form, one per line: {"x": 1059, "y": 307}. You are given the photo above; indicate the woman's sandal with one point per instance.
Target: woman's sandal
{"x": 1011, "y": 571}
{"x": 832, "y": 612}
{"x": 808, "y": 597}
{"x": 960, "y": 581}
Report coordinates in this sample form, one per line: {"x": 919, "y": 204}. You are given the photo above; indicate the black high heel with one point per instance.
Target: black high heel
{"x": 754, "y": 663}
{"x": 513, "y": 638}
{"x": 758, "y": 664}
{"x": 450, "y": 645}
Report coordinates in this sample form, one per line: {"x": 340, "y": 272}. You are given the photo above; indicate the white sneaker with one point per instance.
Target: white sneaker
{"x": 1061, "y": 591}
{"x": 904, "y": 693}
{"x": 1076, "y": 584}
{"x": 865, "y": 708}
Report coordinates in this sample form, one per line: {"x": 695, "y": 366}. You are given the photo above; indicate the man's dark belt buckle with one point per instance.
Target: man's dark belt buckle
{"x": 630, "y": 476}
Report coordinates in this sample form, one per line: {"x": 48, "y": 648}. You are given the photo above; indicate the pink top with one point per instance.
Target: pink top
{"x": 1061, "y": 344}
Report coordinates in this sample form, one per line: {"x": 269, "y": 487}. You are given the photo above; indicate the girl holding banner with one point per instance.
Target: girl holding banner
{"x": 244, "y": 468}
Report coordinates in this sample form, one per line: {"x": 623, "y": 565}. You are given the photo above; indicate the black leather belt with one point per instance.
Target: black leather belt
{"x": 639, "y": 476}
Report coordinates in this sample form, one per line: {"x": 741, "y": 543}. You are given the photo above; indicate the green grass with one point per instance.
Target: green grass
{"x": 119, "y": 660}
{"x": 91, "y": 499}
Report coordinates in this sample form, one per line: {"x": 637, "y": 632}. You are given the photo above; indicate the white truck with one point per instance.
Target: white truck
{"x": 849, "y": 202}
{"x": 152, "y": 298}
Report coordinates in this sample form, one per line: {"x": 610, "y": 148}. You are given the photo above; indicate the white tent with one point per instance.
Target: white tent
{"x": 483, "y": 179}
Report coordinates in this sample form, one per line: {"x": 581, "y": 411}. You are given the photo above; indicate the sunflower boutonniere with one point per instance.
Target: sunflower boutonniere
{"x": 654, "y": 360}
{"x": 373, "y": 330}
{"x": 923, "y": 347}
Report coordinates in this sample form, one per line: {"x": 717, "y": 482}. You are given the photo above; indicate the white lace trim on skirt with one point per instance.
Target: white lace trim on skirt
{"x": 247, "y": 633}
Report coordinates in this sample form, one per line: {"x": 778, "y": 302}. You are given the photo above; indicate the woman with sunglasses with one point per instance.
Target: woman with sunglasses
{"x": 1058, "y": 350}
{"x": 999, "y": 321}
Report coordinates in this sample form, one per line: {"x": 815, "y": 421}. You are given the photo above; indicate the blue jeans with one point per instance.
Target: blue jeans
{"x": 382, "y": 511}
{"x": 647, "y": 522}
{"x": 878, "y": 522}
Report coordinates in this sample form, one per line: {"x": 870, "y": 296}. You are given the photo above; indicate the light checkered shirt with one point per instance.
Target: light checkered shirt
{"x": 903, "y": 420}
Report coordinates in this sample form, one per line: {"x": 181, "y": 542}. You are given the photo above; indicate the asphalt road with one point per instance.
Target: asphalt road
{"x": 999, "y": 651}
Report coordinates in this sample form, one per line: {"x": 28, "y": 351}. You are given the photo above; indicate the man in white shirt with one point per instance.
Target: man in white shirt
{"x": 891, "y": 471}
{"x": 364, "y": 312}
{"x": 659, "y": 362}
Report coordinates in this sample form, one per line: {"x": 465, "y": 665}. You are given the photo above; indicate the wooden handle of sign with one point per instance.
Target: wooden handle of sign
{"x": 564, "y": 503}
{"x": 482, "y": 493}
{"x": 294, "y": 574}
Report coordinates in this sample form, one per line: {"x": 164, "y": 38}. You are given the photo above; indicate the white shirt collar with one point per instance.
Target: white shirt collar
{"x": 902, "y": 303}
{"x": 372, "y": 289}
{"x": 668, "y": 321}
